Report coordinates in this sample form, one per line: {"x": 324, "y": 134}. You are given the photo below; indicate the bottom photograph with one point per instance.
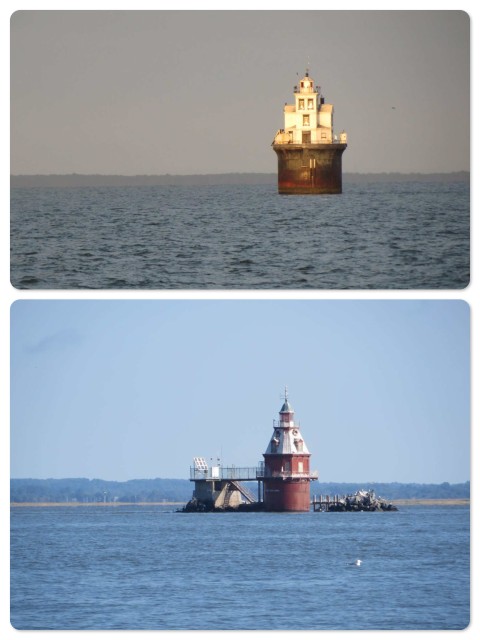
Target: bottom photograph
{"x": 240, "y": 465}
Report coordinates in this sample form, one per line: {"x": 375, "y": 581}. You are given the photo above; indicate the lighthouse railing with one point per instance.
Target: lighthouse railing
{"x": 224, "y": 473}
{"x": 265, "y": 474}
{"x": 245, "y": 473}
{"x": 282, "y": 139}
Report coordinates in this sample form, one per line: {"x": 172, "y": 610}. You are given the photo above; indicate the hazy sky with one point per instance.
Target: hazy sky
{"x": 133, "y": 92}
{"x": 134, "y": 389}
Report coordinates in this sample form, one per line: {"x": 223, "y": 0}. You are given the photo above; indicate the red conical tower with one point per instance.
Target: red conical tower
{"x": 287, "y": 476}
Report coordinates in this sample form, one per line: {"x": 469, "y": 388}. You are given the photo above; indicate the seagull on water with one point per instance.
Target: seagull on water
{"x": 357, "y": 563}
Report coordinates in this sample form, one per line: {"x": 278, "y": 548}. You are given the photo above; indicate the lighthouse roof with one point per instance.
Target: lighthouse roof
{"x": 286, "y": 407}
{"x": 287, "y": 441}
{"x": 327, "y": 108}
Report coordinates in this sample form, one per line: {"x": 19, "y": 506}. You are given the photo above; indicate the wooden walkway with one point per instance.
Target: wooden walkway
{"x": 323, "y": 503}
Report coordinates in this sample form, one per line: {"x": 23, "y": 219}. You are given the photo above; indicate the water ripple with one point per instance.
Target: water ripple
{"x": 148, "y": 569}
{"x": 373, "y": 236}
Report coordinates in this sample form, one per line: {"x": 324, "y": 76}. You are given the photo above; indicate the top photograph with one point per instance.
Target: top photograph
{"x": 226, "y": 150}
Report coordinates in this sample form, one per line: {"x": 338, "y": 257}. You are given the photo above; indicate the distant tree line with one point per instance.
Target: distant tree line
{"x": 169, "y": 180}
{"x": 395, "y": 490}
{"x": 84, "y": 490}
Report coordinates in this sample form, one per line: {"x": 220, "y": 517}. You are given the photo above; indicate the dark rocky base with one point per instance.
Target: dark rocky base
{"x": 380, "y": 507}
{"x": 196, "y": 506}
{"x": 359, "y": 501}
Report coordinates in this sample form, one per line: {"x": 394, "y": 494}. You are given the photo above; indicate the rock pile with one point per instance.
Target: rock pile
{"x": 361, "y": 501}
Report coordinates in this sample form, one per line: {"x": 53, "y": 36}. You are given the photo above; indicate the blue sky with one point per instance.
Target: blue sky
{"x": 134, "y": 389}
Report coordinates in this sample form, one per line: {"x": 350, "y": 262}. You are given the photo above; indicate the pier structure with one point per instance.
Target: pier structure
{"x": 286, "y": 471}
{"x": 309, "y": 152}
{"x": 220, "y": 488}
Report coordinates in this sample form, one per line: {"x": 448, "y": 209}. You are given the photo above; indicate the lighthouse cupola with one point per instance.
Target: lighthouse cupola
{"x": 306, "y": 83}
{"x": 286, "y": 413}
{"x": 286, "y": 474}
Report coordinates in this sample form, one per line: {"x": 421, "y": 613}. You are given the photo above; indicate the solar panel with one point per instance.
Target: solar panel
{"x": 200, "y": 464}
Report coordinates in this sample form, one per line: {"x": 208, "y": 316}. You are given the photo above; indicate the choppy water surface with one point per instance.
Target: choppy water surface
{"x": 148, "y": 568}
{"x": 375, "y": 236}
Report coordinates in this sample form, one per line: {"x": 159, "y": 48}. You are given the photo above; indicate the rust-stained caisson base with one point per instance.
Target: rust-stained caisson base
{"x": 309, "y": 168}
{"x": 287, "y": 495}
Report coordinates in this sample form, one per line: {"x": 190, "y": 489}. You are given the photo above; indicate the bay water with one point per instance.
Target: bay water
{"x": 148, "y": 567}
{"x": 375, "y": 235}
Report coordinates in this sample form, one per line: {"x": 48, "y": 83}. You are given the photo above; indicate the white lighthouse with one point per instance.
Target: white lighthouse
{"x": 309, "y": 153}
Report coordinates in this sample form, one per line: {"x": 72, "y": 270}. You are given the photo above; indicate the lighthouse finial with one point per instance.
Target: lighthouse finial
{"x": 286, "y": 393}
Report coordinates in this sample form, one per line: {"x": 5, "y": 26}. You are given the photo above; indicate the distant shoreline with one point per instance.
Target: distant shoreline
{"x": 100, "y": 180}
{"x": 444, "y": 502}
{"x": 96, "y": 504}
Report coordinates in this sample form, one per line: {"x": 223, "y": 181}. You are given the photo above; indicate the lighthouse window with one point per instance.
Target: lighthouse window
{"x": 310, "y": 103}
{"x": 300, "y": 467}
{"x": 306, "y": 121}
{"x": 301, "y": 103}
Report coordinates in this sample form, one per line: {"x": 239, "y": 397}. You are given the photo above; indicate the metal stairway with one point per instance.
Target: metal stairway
{"x": 235, "y": 485}
{"x": 246, "y": 493}
{"x": 228, "y": 492}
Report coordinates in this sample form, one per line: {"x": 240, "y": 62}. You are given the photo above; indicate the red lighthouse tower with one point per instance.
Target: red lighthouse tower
{"x": 286, "y": 474}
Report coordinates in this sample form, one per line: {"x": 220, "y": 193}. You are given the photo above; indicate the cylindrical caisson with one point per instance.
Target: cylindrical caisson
{"x": 287, "y": 495}
{"x": 309, "y": 168}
